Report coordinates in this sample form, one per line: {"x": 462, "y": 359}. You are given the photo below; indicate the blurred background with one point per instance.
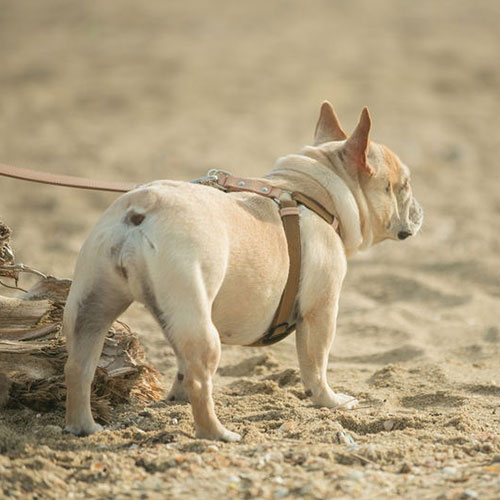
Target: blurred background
{"x": 136, "y": 91}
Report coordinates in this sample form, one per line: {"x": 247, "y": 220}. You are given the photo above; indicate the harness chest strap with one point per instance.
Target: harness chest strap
{"x": 289, "y": 212}
{"x": 280, "y": 328}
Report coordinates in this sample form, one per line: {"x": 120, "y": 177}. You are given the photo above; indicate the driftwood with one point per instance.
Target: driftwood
{"x": 33, "y": 352}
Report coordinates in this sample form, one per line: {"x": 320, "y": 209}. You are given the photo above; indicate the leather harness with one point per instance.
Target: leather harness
{"x": 288, "y": 201}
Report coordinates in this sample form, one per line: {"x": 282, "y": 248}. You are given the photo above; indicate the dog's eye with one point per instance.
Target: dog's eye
{"x": 405, "y": 185}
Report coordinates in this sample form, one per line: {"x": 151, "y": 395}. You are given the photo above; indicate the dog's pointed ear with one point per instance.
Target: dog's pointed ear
{"x": 328, "y": 127}
{"x": 357, "y": 145}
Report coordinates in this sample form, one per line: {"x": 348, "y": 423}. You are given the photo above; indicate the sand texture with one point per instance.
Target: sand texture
{"x": 135, "y": 91}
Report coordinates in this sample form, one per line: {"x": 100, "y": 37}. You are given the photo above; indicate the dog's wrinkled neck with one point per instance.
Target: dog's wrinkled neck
{"x": 335, "y": 163}
{"x": 348, "y": 200}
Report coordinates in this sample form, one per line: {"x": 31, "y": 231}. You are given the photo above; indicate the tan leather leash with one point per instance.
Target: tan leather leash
{"x": 27, "y": 174}
{"x": 288, "y": 202}
{"x": 282, "y": 324}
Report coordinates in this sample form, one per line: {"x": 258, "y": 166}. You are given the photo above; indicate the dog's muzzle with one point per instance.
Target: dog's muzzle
{"x": 416, "y": 218}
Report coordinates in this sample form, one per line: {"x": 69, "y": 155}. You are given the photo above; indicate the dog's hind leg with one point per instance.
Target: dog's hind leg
{"x": 89, "y": 312}
{"x": 185, "y": 317}
{"x": 201, "y": 354}
{"x": 314, "y": 338}
{"x": 197, "y": 346}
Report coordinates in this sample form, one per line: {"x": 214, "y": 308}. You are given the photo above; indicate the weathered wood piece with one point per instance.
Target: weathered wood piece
{"x": 33, "y": 351}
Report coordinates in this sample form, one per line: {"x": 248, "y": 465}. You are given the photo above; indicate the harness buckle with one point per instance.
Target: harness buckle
{"x": 277, "y": 333}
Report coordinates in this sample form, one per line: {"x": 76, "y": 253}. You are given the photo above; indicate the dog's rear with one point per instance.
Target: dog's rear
{"x": 120, "y": 262}
{"x": 97, "y": 297}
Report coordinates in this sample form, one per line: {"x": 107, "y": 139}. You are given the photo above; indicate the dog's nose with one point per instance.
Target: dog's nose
{"x": 402, "y": 235}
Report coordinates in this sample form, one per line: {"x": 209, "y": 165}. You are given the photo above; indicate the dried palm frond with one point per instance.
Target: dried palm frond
{"x": 33, "y": 352}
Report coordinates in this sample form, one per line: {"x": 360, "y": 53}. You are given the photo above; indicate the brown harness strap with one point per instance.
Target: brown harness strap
{"x": 314, "y": 206}
{"x": 27, "y": 174}
{"x": 232, "y": 183}
{"x": 280, "y": 326}
{"x": 289, "y": 212}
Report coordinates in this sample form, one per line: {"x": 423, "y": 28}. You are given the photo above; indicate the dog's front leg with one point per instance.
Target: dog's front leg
{"x": 314, "y": 338}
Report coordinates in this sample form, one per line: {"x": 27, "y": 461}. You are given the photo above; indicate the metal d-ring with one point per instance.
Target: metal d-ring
{"x": 216, "y": 171}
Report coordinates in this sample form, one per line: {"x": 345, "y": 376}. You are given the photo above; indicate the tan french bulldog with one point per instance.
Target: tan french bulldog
{"x": 211, "y": 267}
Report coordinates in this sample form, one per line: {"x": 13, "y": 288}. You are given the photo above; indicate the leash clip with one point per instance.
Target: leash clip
{"x": 212, "y": 178}
{"x": 216, "y": 171}
{"x": 204, "y": 180}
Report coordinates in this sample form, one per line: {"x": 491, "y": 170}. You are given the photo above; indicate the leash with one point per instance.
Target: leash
{"x": 288, "y": 202}
{"x": 27, "y": 174}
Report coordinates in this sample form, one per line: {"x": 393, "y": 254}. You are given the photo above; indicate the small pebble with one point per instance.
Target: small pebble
{"x": 450, "y": 471}
{"x": 405, "y": 468}
{"x": 469, "y": 494}
{"x": 345, "y": 438}
{"x": 305, "y": 490}
{"x": 281, "y": 493}
{"x": 104, "y": 488}
{"x": 286, "y": 427}
{"x": 212, "y": 447}
{"x": 175, "y": 421}
{"x": 389, "y": 425}
{"x": 273, "y": 456}
{"x": 355, "y": 475}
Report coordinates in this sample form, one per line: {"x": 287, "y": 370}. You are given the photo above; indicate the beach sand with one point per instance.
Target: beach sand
{"x": 136, "y": 91}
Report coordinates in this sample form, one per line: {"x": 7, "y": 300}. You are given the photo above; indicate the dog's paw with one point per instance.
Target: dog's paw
{"x": 222, "y": 435}
{"x": 345, "y": 401}
{"x": 230, "y": 437}
{"x": 80, "y": 431}
{"x": 334, "y": 400}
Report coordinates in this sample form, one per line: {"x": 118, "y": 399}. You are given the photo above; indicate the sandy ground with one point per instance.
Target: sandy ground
{"x": 144, "y": 90}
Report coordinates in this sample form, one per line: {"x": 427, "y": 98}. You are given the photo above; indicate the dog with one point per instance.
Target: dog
{"x": 211, "y": 267}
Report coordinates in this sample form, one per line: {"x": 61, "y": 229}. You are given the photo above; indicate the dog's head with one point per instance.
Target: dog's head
{"x": 373, "y": 171}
